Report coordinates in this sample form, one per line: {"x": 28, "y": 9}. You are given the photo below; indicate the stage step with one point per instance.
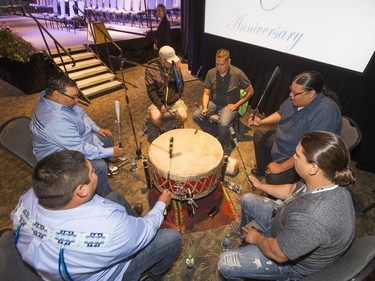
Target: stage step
{"x": 88, "y": 72}
{"x": 95, "y": 80}
{"x": 72, "y": 49}
{"x": 76, "y": 57}
{"x": 81, "y": 65}
{"x": 92, "y": 76}
{"x": 103, "y": 88}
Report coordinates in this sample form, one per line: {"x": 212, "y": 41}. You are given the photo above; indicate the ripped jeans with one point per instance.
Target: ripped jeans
{"x": 248, "y": 262}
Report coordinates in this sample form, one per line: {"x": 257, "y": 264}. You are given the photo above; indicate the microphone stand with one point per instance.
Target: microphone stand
{"x": 239, "y": 153}
{"x": 138, "y": 151}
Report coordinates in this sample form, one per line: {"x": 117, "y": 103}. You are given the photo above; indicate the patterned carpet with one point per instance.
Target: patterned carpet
{"x": 204, "y": 245}
{"x": 179, "y": 217}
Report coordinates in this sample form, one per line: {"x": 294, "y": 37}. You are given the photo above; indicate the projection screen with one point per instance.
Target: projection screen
{"x": 336, "y": 32}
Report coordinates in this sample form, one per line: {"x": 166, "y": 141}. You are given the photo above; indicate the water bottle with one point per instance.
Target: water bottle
{"x": 226, "y": 243}
{"x": 133, "y": 164}
{"x": 145, "y": 129}
{"x": 234, "y": 187}
{"x": 189, "y": 262}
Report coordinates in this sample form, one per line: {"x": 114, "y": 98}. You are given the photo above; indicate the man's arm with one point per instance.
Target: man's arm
{"x": 249, "y": 93}
{"x": 280, "y": 191}
{"x": 273, "y": 118}
{"x": 205, "y": 100}
{"x": 268, "y": 246}
{"x": 275, "y": 168}
{"x": 152, "y": 88}
{"x": 133, "y": 233}
{"x": 71, "y": 139}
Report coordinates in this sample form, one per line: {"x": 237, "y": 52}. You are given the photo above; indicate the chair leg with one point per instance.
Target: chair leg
{"x": 369, "y": 207}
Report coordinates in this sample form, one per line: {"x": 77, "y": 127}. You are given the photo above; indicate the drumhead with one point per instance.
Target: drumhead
{"x": 194, "y": 154}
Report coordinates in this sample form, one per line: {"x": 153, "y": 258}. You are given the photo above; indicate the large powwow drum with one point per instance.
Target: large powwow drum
{"x": 194, "y": 168}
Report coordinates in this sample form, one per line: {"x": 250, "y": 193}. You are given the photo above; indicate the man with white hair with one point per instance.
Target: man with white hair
{"x": 165, "y": 86}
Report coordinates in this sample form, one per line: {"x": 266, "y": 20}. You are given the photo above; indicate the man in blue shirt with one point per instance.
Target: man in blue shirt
{"x": 59, "y": 124}
{"x": 311, "y": 106}
{"x": 66, "y": 231}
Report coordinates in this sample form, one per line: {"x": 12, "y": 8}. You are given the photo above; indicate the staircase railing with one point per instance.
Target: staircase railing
{"x": 59, "y": 48}
{"x": 105, "y": 35}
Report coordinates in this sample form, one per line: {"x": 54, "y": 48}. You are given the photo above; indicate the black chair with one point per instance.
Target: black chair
{"x": 12, "y": 267}
{"x": 15, "y": 137}
{"x": 350, "y": 132}
{"x": 355, "y": 265}
{"x": 352, "y": 136}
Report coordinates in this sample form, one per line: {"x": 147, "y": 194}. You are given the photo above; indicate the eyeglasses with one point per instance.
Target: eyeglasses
{"x": 72, "y": 97}
{"x": 295, "y": 93}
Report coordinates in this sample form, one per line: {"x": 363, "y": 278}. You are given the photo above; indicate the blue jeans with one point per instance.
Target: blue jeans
{"x": 101, "y": 169}
{"x": 263, "y": 142}
{"x": 225, "y": 118}
{"x": 248, "y": 261}
{"x": 156, "y": 257}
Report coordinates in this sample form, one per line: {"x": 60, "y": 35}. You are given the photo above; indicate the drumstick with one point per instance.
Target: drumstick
{"x": 117, "y": 106}
{"x": 169, "y": 167}
{"x": 170, "y": 160}
{"x": 273, "y": 77}
{"x": 166, "y": 90}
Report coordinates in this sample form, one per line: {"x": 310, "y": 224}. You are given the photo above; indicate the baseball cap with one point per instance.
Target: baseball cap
{"x": 167, "y": 53}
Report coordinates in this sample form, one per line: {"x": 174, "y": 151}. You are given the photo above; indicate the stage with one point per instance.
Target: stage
{"x": 27, "y": 28}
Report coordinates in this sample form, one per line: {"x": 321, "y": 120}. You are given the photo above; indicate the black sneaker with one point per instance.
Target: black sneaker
{"x": 257, "y": 172}
{"x": 138, "y": 209}
{"x": 179, "y": 127}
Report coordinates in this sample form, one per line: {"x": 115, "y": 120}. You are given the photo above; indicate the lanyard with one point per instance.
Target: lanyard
{"x": 301, "y": 192}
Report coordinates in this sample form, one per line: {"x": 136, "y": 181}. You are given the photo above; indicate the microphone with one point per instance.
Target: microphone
{"x": 177, "y": 75}
{"x": 147, "y": 175}
{"x": 170, "y": 146}
{"x": 233, "y": 136}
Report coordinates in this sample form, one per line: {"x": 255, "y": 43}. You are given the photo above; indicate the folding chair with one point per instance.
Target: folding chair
{"x": 15, "y": 137}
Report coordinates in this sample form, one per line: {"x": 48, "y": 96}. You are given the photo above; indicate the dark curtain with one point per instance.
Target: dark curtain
{"x": 192, "y": 30}
{"x": 356, "y": 91}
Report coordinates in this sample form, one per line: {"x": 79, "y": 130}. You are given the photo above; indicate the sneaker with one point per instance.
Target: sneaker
{"x": 138, "y": 209}
{"x": 179, "y": 127}
{"x": 236, "y": 227}
{"x": 243, "y": 244}
{"x": 257, "y": 172}
{"x": 114, "y": 170}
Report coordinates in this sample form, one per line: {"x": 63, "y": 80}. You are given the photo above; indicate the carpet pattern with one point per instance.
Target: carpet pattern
{"x": 15, "y": 177}
{"x": 178, "y": 216}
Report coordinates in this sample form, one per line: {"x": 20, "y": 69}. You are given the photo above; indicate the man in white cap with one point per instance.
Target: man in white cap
{"x": 165, "y": 86}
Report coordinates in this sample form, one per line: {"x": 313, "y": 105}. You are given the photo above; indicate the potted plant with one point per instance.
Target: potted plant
{"x": 13, "y": 46}
{"x": 20, "y": 63}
